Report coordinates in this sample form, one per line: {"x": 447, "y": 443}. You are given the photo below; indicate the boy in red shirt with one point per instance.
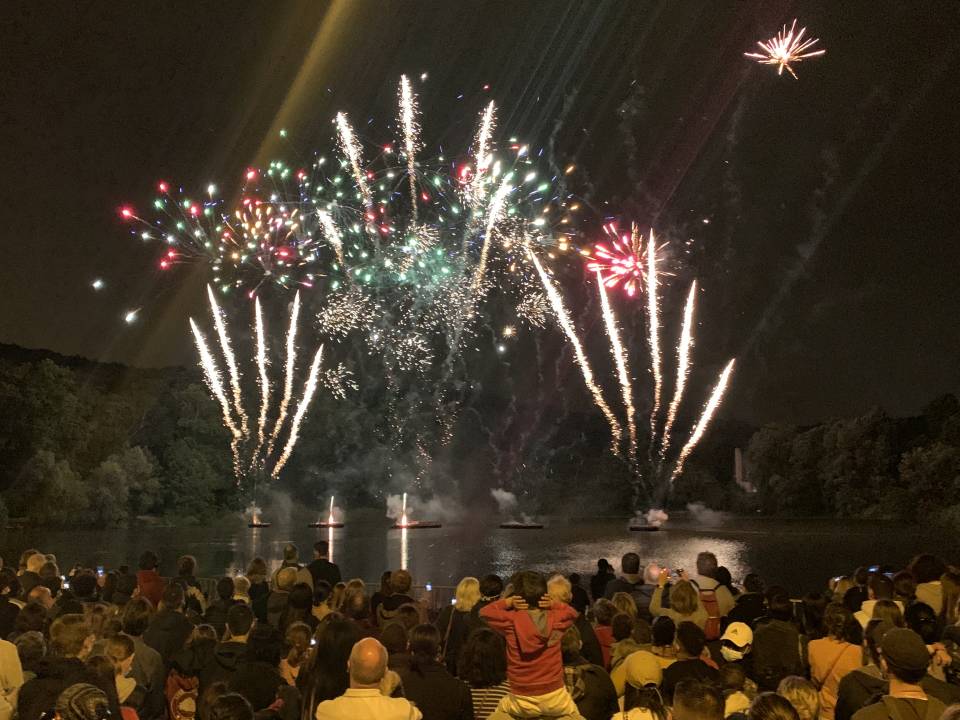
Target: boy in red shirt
{"x": 532, "y": 625}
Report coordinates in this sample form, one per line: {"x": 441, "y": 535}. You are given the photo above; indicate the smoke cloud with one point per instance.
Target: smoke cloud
{"x": 436, "y": 508}
{"x": 506, "y": 500}
{"x": 704, "y": 515}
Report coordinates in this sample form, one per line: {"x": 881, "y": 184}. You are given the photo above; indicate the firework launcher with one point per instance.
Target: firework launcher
{"x": 330, "y": 522}
{"x": 405, "y": 523}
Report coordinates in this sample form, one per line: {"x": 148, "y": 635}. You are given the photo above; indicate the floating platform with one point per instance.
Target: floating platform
{"x": 521, "y": 526}
{"x": 325, "y": 525}
{"x": 416, "y": 525}
{"x": 259, "y": 525}
{"x": 645, "y": 528}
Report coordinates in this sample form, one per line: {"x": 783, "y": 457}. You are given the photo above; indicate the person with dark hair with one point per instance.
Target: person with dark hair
{"x": 532, "y": 625}
{"x": 483, "y": 666}
{"x": 600, "y": 579}
{"x": 904, "y": 587}
{"x": 231, "y": 652}
{"x": 194, "y": 601}
{"x": 258, "y": 675}
{"x": 259, "y": 588}
{"x": 169, "y": 628}
{"x": 367, "y": 668}
{"x": 927, "y": 570}
{"x": 491, "y": 587}
{"x": 559, "y": 589}
{"x": 230, "y": 706}
{"x": 603, "y": 613}
{"x": 690, "y": 664}
{"x": 34, "y": 617}
{"x": 396, "y": 640}
{"x": 321, "y": 600}
{"x": 322, "y": 569}
{"x": 579, "y": 597}
{"x": 70, "y": 644}
{"x": 776, "y": 642}
{"x": 356, "y": 608}
{"x": 589, "y": 685}
{"x": 82, "y": 701}
{"x": 696, "y": 700}
{"x": 401, "y": 583}
{"x": 663, "y": 633}
{"x": 725, "y": 579}
{"x": 216, "y": 613}
{"x": 197, "y": 655}
{"x": 632, "y": 582}
{"x": 770, "y": 706}
{"x": 629, "y": 636}
{"x": 149, "y": 582}
{"x": 833, "y": 656}
{"x": 148, "y": 667}
{"x": 879, "y": 587}
{"x": 9, "y": 589}
{"x": 325, "y": 675}
{"x": 383, "y": 592}
{"x": 31, "y": 649}
{"x": 904, "y": 659}
{"x": 299, "y": 608}
{"x": 812, "y": 609}
{"x": 428, "y": 684}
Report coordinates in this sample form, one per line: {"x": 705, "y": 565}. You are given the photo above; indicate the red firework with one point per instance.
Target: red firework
{"x": 621, "y": 261}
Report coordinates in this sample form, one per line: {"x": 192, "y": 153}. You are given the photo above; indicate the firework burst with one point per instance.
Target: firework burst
{"x": 788, "y": 46}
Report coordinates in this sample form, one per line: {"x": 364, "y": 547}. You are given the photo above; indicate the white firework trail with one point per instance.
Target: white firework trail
{"x": 264, "y": 379}
{"x": 309, "y": 389}
{"x": 620, "y": 358}
{"x": 212, "y": 376}
{"x": 288, "y": 377}
{"x": 683, "y": 366}
{"x": 653, "y": 310}
{"x": 411, "y": 137}
{"x": 563, "y": 317}
{"x": 332, "y": 234}
{"x": 701, "y": 426}
{"x": 351, "y": 148}
{"x": 230, "y": 358}
{"x": 493, "y": 215}
{"x": 482, "y": 154}
{"x": 330, "y": 515}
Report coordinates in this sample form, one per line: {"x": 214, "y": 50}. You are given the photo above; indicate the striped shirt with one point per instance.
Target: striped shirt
{"x": 485, "y": 700}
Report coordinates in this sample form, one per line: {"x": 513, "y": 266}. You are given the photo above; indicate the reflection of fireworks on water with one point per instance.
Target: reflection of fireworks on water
{"x": 244, "y": 442}
{"x": 622, "y": 367}
{"x": 788, "y": 46}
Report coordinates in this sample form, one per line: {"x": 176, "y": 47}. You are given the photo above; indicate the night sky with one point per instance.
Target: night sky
{"x": 829, "y": 257}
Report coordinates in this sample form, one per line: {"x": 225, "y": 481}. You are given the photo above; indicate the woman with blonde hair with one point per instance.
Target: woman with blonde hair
{"x": 684, "y": 602}
{"x": 456, "y": 621}
{"x": 802, "y": 694}
{"x": 625, "y": 604}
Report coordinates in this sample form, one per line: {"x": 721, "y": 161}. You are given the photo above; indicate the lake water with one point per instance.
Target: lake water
{"x": 798, "y": 554}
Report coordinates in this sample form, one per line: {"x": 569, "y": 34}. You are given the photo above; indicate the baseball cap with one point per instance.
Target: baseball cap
{"x": 905, "y": 650}
{"x": 642, "y": 668}
{"x": 739, "y": 634}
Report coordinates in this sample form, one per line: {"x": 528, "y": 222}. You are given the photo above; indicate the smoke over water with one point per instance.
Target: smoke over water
{"x": 703, "y": 515}
{"x": 506, "y": 500}
{"x": 654, "y": 516}
{"x": 436, "y": 508}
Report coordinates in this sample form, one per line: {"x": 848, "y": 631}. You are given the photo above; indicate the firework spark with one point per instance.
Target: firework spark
{"x": 212, "y": 375}
{"x": 263, "y": 378}
{"x": 288, "y": 375}
{"x": 351, "y": 148}
{"x": 411, "y": 138}
{"x": 620, "y": 359}
{"x": 653, "y": 318}
{"x": 482, "y": 156}
{"x": 683, "y": 366}
{"x": 229, "y": 357}
{"x": 309, "y": 389}
{"x": 621, "y": 263}
{"x": 787, "y": 47}
{"x": 494, "y": 213}
{"x": 563, "y": 317}
{"x": 709, "y": 409}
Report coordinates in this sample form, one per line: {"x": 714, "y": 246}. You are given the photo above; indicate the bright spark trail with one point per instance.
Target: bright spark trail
{"x": 411, "y": 139}
{"x": 683, "y": 366}
{"x": 351, "y": 148}
{"x": 481, "y": 154}
{"x": 229, "y": 357}
{"x": 288, "y": 375}
{"x": 309, "y": 389}
{"x": 705, "y": 417}
{"x": 563, "y": 318}
{"x": 653, "y": 313}
{"x": 212, "y": 376}
{"x": 493, "y": 215}
{"x": 263, "y": 378}
{"x": 620, "y": 358}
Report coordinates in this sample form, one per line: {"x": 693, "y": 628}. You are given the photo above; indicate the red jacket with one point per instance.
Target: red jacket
{"x": 534, "y": 658}
{"x": 151, "y": 586}
{"x": 604, "y": 635}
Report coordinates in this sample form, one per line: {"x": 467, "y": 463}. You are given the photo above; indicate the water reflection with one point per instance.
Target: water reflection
{"x": 799, "y": 555}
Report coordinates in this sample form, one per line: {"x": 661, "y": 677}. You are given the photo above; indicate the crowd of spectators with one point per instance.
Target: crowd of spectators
{"x": 296, "y": 642}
